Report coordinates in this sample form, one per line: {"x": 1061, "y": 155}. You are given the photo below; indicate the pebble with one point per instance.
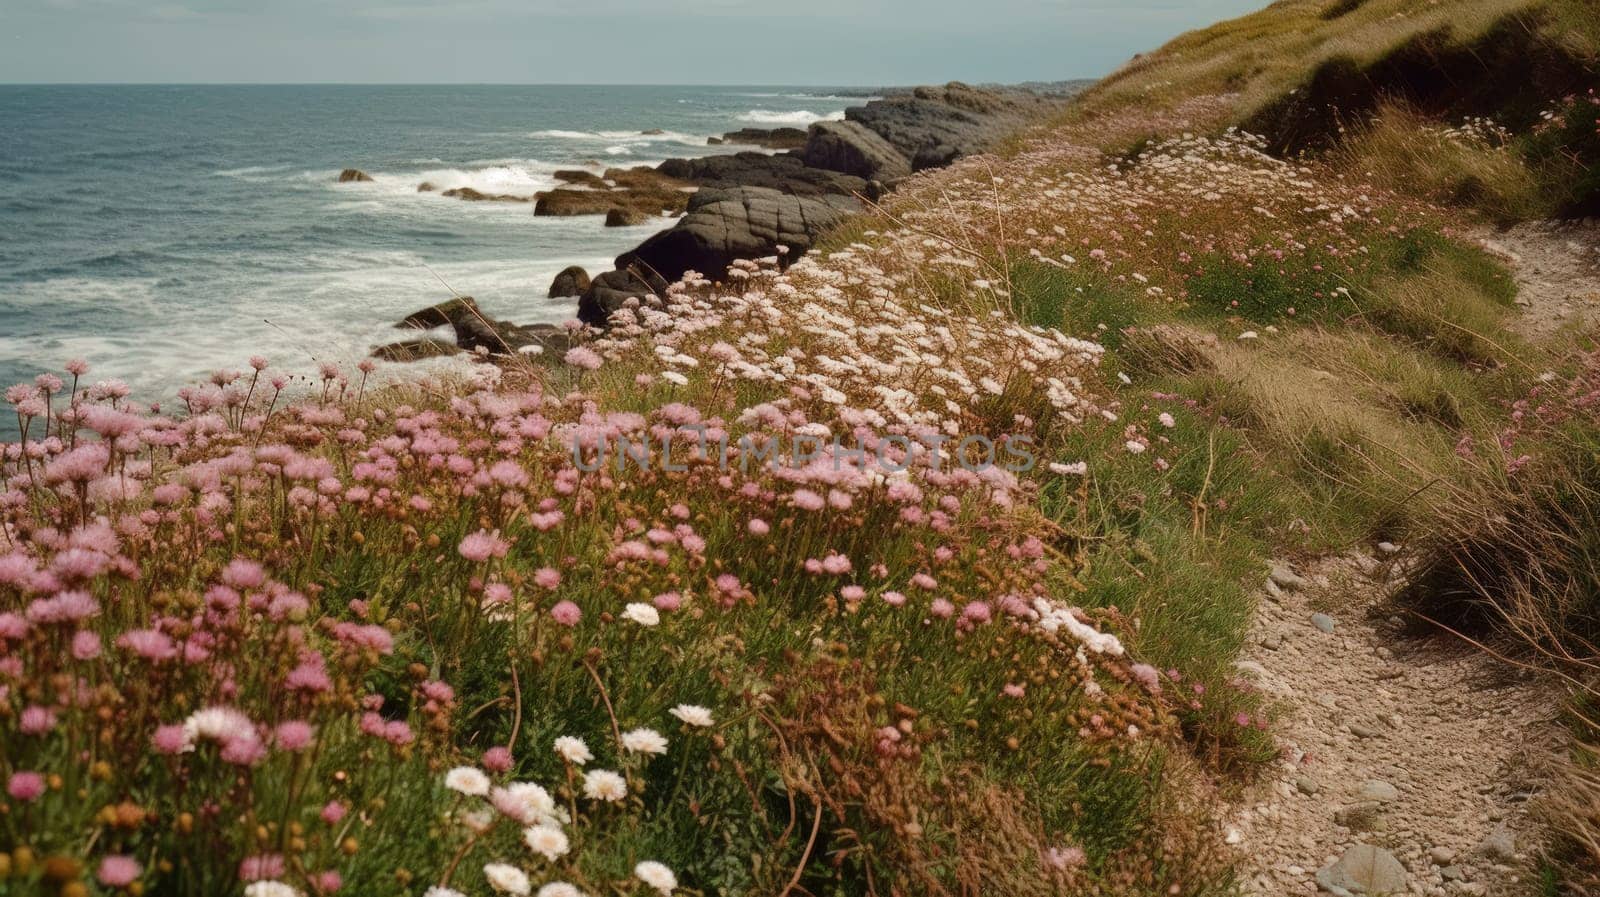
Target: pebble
{"x": 1499, "y": 844}
{"x": 1363, "y": 731}
{"x": 1272, "y": 641}
{"x": 1441, "y": 856}
{"x": 1378, "y": 790}
{"x": 1306, "y": 784}
{"x": 1284, "y": 577}
{"x": 1452, "y": 873}
{"x": 1322, "y": 622}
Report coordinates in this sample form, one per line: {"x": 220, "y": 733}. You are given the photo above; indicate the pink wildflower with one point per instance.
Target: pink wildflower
{"x": 497, "y": 759}
{"x": 25, "y": 786}
{"x": 480, "y": 546}
{"x": 169, "y": 740}
{"x": 118, "y": 871}
{"x": 566, "y": 613}
{"x": 293, "y": 735}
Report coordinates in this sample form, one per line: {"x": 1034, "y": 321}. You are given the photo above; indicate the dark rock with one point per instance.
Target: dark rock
{"x": 619, "y": 217}
{"x": 784, "y": 172}
{"x": 771, "y": 138}
{"x": 653, "y": 132}
{"x": 640, "y": 193}
{"x": 459, "y": 308}
{"x": 608, "y": 292}
{"x": 934, "y": 126}
{"x": 572, "y": 281}
{"x": 353, "y": 174}
{"x": 581, "y": 178}
{"x": 849, "y": 147}
{"x": 741, "y": 223}
{"x": 426, "y": 187}
{"x": 472, "y": 195}
{"x": 415, "y": 350}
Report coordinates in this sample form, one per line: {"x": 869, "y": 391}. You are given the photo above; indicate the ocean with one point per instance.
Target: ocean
{"x": 165, "y": 232}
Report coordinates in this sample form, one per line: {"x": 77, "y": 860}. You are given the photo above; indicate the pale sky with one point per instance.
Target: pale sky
{"x": 823, "y": 42}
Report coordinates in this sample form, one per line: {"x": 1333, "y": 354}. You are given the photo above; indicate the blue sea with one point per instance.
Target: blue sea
{"x": 164, "y": 232}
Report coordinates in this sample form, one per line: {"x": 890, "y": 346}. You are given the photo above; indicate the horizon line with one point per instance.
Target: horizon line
{"x": 859, "y": 85}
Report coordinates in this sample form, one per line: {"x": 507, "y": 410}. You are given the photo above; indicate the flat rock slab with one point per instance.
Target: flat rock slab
{"x": 1363, "y": 869}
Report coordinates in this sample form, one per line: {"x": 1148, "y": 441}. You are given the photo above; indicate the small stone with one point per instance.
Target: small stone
{"x": 1452, "y": 873}
{"x": 1441, "y": 856}
{"x": 1272, "y": 641}
{"x": 1250, "y": 668}
{"x": 1363, "y": 869}
{"x": 1306, "y": 784}
{"x": 1322, "y": 622}
{"x": 1378, "y": 790}
{"x": 1284, "y": 577}
{"x": 1234, "y": 836}
{"x": 1388, "y": 548}
{"x": 1500, "y": 844}
{"x": 1361, "y": 817}
{"x": 1363, "y": 731}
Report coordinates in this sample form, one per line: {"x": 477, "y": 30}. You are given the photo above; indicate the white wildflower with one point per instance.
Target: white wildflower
{"x": 657, "y": 876}
{"x": 269, "y": 889}
{"x": 603, "y": 784}
{"x": 507, "y": 878}
{"x": 559, "y": 889}
{"x": 467, "y": 780}
{"x": 644, "y": 741}
{"x": 573, "y": 750}
{"x": 546, "y": 840}
{"x": 693, "y": 715}
{"x": 641, "y": 613}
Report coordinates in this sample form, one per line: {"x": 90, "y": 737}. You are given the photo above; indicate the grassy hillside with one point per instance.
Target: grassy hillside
{"x": 316, "y": 635}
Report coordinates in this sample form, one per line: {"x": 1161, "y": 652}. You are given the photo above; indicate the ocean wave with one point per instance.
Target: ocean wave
{"x": 797, "y": 118}
{"x": 517, "y": 177}
{"x": 251, "y": 171}
{"x": 623, "y": 137}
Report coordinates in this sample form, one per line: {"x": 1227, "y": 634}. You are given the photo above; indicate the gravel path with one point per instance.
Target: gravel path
{"x": 1557, "y": 267}
{"x": 1422, "y": 748}
{"x": 1407, "y": 764}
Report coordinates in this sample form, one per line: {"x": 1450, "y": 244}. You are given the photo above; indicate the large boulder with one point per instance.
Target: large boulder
{"x": 934, "y": 126}
{"x": 471, "y": 195}
{"x": 609, "y": 292}
{"x": 849, "y": 147}
{"x": 784, "y": 172}
{"x": 637, "y": 204}
{"x": 415, "y": 350}
{"x": 739, "y": 223}
{"x": 460, "y": 308}
{"x": 619, "y": 217}
{"x": 771, "y": 138}
{"x": 353, "y": 174}
{"x": 572, "y": 281}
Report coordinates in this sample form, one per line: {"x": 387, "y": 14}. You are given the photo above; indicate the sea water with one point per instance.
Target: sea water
{"x": 165, "y": 232}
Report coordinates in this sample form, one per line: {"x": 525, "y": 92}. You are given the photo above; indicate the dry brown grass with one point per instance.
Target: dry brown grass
{"x": 1267, "y": 53}
{"x": 1403, "y": 151}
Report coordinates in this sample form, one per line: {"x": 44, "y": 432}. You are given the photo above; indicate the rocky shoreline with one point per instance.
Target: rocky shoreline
{"x": 735, "y": 206}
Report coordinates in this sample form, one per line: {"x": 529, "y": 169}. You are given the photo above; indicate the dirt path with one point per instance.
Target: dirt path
{"x": 1426, "y": 749}
{"x": 1557, "y": 267}
{"x": 1420, "y": 747}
